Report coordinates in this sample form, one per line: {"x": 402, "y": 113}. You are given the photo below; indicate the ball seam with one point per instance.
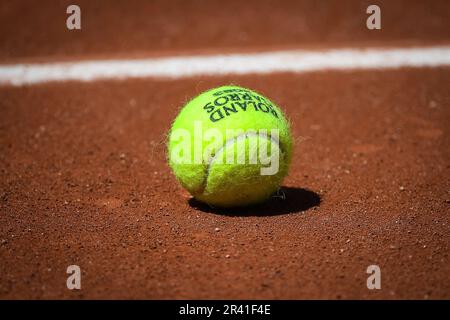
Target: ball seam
{"x": 227, "y": 143}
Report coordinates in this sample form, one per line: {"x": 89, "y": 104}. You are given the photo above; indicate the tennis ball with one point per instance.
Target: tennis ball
{"x": 230, "y": 147}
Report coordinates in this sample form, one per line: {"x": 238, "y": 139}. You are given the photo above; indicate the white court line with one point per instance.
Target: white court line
{"x": 256, "y": 63}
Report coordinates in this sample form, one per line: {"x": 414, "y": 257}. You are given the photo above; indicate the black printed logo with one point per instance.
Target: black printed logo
{"x": 229, "y": 101}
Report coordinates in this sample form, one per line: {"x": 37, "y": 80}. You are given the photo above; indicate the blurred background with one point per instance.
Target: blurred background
{"x": 36, "y": 29}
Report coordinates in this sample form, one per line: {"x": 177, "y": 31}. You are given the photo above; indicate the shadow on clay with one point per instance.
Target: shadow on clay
{"x": 287, "y": 200}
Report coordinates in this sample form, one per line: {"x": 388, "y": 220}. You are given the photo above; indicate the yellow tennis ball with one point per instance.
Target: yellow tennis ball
{"x": 230, "y": 146}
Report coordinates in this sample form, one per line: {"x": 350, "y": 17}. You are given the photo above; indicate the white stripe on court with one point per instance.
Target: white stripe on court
{"x": 255, "y": 63}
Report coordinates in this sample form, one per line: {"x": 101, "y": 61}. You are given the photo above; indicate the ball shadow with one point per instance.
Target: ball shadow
{"x": 287, "y": 200}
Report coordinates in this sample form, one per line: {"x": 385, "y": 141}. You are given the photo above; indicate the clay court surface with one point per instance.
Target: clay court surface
{"x": 84, "y": 179}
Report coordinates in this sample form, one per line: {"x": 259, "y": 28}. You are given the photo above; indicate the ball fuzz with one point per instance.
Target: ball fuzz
{"x": 230, "y": 147}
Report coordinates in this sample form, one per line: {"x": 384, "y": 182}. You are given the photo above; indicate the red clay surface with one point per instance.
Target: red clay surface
{"x": 37, "y": 29}
{"x": 83, "y": 180}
